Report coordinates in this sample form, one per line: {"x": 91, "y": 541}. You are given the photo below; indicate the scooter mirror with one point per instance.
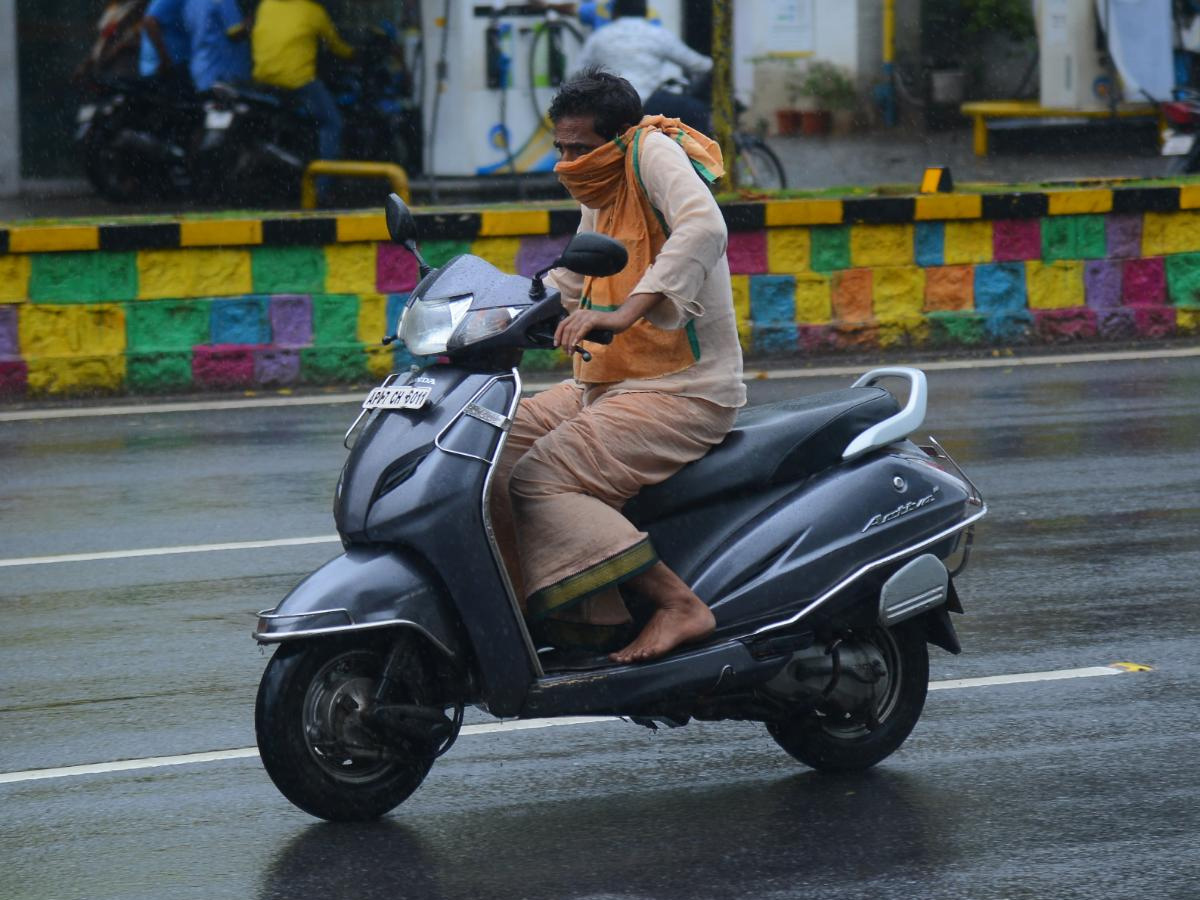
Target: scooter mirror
{"x": 401, "y": 225}
{"x": 593, "y": 254}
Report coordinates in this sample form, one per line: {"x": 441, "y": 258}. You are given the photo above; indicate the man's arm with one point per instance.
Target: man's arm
{"x": 237, "y": 26}
{"x": 153, "y": 32}
{"x": 676, "y": 51}
{"x": 328, "y": 33}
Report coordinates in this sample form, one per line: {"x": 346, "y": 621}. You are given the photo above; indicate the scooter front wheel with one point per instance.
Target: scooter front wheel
{"x": 851, "y": 743}
{"x": 315, "y": 738}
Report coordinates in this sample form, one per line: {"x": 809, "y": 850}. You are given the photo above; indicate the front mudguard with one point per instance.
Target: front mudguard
{"x": 365, "y": 588}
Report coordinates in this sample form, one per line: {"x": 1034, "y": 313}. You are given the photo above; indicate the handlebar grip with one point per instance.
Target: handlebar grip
{"x": 599, "y": 336}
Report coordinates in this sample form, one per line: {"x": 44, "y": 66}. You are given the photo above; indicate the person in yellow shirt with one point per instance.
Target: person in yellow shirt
{"x": 284, "y": 43}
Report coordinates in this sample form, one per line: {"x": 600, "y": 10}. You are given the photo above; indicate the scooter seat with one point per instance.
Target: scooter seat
{"x": 769, "y": 444}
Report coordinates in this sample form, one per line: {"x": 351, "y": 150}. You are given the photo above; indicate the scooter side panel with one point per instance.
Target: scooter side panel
{"x": 759, "y": 568}
{"x": 364, "y": 588}
{"x": 435, "y": 511}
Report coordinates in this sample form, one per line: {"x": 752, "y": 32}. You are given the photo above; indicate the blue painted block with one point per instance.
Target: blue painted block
{"x": 240, "y": 320}
{"x": 775, "y": 338}
{"x": 773, "y": 298}
{"x": 1000, "y": 287}
{"x": 929, "y": 244}
{"x": 1009, "y": 326}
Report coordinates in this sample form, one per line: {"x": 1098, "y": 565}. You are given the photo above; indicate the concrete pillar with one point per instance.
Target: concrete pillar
{"x": 10, "y": 124}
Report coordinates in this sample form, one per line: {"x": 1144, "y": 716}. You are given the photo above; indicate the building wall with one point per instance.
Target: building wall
{"x": 10, "y": 154}
{"x": 221, "y": 304}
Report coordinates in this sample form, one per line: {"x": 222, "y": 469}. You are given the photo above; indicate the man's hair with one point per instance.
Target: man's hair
{"x": 612, "y": 101}
{"x": 628, "y": 8}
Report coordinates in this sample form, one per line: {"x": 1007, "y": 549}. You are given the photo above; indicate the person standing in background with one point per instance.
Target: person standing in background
{"x": 220, "y": 49}
{"x": 284, "y": 43}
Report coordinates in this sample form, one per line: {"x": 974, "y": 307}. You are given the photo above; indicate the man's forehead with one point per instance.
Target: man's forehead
{"x": 577, "y": 128}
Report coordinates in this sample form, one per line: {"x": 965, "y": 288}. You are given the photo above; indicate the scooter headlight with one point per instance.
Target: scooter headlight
{"x": 430, "y": 327}
{"x": 427, "y": 325}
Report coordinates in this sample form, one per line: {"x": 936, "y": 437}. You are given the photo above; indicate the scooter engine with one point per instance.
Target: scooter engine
{"x": 844, "y": 679}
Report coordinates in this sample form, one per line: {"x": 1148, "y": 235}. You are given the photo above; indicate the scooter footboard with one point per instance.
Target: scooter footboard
{"x": 361, "y": 589}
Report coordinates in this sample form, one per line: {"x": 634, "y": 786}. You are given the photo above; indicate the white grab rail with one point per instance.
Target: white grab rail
{"x": 902, "y": 424}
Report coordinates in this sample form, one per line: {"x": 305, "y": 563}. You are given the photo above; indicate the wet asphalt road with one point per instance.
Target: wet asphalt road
{"x": 1068, "y": 789}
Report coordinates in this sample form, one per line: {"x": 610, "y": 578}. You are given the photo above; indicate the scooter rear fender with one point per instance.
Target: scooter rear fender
{"x": 365, "y": 588}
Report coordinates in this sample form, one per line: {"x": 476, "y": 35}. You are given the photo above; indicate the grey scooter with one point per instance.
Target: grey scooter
{"x": 819, "y": 535}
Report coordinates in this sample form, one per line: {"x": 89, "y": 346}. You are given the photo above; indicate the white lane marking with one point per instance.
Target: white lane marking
{"x": 156, "y": 762}
{"x": 168, "y": 551}
{"x": 751, "y": 374}
{"x": 1025, "y": 678}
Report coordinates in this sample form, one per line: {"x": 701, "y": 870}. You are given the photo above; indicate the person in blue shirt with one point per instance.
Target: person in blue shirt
{"x": 220, "y": 50}
{"x": 166, "y": 45}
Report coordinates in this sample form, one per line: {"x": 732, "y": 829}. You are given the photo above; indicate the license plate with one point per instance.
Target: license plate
{"x": 85, "y": 113}
{"x": 1178, "y": 144}
{"x": 218, "y": 119}
{"x": 407, "y": 397}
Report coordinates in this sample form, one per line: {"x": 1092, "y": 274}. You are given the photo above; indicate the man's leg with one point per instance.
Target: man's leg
{"x": 536, "y": 416}
{"x": 567, "y": 492}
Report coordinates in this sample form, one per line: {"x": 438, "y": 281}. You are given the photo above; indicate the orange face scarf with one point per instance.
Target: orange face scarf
{"x": 609, "y": 181}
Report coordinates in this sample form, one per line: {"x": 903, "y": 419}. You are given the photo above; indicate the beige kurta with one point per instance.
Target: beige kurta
{"x": 579, "y": 451}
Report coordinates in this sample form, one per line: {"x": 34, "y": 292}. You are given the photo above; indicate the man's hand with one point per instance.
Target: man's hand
{"x": 572, "y": 329}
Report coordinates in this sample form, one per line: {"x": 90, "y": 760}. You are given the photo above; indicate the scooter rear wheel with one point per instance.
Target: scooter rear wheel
{"x": 851, "y": 744}
{"x": 313, "y": 740}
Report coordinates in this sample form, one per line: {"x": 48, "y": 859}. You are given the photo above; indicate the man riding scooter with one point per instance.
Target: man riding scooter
{"x": 663, "y": 393}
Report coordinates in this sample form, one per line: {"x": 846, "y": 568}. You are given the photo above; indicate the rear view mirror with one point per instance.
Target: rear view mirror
{"x": 593, "y": 254}
{"x": 401, "y": 226}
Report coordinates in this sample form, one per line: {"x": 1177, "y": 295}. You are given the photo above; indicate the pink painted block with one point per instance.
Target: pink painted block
{"x": 1154, "y": 321}
{"x": 747, "y": 252}
{"x": 223, "y": 365}
{"x": 536, "y": 253}
{"x": 14, "y": 377}
{"x": 817, "y": 338}
{"x": 395, "y": 270}
{"x": 1016, "y": 239}
{"x": 1145, "y": 282}
{"x": 1061, "y": 325}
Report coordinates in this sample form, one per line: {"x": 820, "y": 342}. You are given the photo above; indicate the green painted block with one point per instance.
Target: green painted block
{"x": 1073, "y": 237}
{"x": 288, "y": 270}
{"x": 830, "y": 248}
{"x": 155, "y": 325}
{"x": 159, "y": 373}
{"x": 333, "y": 364}
{"x": 543, "y": 360}
{"x": 1058, "y": 238}
{"x": 438, "y": 253}
{"x": 1183, "y": 279}
{"x": 335, "y": 319}
{"x": 1091, "y": 240}
{"x": 84, "y": 277}
{"x": 955, "y": 328}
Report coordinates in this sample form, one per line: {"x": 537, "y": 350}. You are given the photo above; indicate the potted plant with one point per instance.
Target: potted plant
{"x": 831, "y": 88}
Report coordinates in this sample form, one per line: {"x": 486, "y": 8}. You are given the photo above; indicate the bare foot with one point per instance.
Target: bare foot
{"x": 675, "y": 622}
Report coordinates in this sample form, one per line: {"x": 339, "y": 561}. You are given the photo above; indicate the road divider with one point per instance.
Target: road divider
{"x": 158, "y": 762}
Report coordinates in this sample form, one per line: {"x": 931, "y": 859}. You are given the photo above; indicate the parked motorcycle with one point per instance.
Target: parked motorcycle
{"x": 824, "y": 541}
{"x": 134, "y": 137}
{"x": 1182, "y": 117}
{"x": 257, "y": 141}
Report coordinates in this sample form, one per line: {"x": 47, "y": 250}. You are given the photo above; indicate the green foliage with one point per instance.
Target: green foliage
{"x": 1012, "y": 18}
{"x": 830, "y": 85}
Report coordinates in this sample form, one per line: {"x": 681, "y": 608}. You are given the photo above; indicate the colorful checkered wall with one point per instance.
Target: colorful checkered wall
{"x": 214, "y": 304}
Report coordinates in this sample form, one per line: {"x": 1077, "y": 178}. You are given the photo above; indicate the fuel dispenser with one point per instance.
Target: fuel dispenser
{"x": 490, "y": 71}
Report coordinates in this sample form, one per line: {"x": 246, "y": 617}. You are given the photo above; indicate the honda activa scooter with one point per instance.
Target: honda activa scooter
{"x": 824, "y": 541}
